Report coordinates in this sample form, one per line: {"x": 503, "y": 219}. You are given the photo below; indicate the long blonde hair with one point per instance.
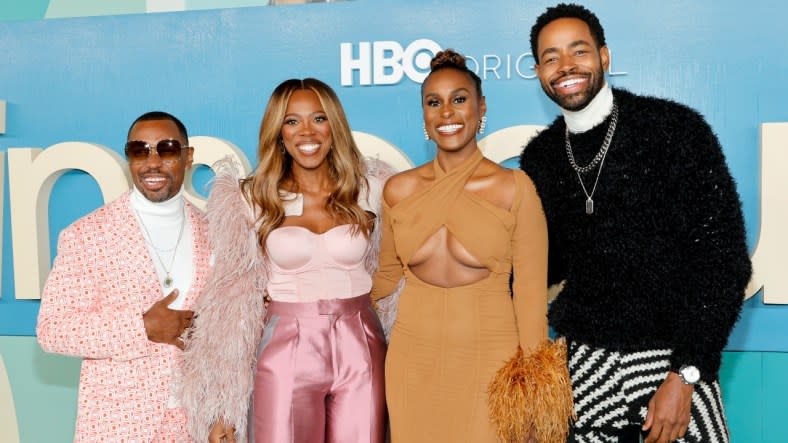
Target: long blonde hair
{"x": 274, "y": 167}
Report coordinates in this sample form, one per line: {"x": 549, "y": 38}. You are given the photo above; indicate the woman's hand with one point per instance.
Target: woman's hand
{"x": 221, "y": 433}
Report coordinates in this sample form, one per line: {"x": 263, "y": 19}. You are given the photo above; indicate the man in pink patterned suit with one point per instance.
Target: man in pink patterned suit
{"x": 120, "y": 291}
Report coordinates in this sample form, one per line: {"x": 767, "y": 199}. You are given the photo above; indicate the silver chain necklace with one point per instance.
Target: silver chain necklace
{"x": 598, "y": 158}
{"x": 167, "y": 282}
{"x": 611, "y": 129}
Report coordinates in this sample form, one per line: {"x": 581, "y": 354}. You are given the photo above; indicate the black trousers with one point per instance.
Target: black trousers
{"x": 631, "y": 434}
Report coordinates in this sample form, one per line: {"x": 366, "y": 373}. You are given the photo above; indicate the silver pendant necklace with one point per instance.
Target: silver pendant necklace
{"x": 167, "y": 282}
{"x": 599, "y": 158}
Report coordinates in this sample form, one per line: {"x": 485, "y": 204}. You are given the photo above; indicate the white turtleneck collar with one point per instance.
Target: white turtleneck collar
{"x": 170, "y": 209}
{"x": 593, "y": 114}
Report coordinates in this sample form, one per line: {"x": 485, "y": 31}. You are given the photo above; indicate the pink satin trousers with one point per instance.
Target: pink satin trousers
{"x": 319, "y": 374}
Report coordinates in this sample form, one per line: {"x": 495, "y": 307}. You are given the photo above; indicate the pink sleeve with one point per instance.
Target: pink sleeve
{"x": 76, "y": 318}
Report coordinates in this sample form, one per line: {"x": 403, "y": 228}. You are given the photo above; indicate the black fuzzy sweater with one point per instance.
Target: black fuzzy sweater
{"x": 662, "y": 262}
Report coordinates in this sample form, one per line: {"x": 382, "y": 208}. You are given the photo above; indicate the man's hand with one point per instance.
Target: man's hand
{"x": 669, "y": 411}
{"x": 165, "y": 325}
{"x": 221, "y": 433}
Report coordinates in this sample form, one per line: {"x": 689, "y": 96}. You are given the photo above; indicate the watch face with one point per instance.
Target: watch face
{"x": 690, "y": 374}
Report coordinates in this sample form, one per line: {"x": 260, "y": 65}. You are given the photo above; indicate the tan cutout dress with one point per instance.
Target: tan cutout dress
{"x": 447, "y": 343}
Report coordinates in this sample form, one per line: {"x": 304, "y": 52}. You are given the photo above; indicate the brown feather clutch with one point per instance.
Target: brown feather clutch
{"x": 532, "y": 396}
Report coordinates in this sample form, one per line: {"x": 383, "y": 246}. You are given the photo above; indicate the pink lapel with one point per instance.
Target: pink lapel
{"x": 140, "y": 261}
{"x": 200, "y": 252}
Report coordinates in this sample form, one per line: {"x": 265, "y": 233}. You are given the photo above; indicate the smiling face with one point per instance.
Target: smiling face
{"x": 452, "y": 109}
{"x": 306, "y": 132}
{"x": 159, "y": 180}
{"x": 571, "y": 69}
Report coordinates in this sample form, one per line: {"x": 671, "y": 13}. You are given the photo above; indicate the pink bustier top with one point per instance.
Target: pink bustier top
{"x": 306, "y": 266}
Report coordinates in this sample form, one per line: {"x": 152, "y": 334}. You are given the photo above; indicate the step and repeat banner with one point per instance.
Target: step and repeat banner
{"x": 69, "y": 88}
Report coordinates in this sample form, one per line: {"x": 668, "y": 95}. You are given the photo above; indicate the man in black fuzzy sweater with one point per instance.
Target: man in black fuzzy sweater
{"x": 647, "y": 233}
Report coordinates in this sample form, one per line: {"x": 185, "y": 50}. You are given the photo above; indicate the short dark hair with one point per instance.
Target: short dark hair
{"x": 567, "y": 10}
{"x": 161, "y": 115}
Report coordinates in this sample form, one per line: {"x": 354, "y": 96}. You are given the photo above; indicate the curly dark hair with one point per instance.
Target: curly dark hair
{"x": 449, "y": 58}
{"x": 567, "y": 10}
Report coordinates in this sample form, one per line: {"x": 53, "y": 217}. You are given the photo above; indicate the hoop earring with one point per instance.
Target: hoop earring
{"x": 482, "y": 124}
{"x": 426, "y": 134}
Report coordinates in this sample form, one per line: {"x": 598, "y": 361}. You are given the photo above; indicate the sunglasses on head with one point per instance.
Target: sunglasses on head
{"x": 167, "y": 150}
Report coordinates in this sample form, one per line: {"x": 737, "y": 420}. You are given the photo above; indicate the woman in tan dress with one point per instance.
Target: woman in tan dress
{"x": 467, "y": 362}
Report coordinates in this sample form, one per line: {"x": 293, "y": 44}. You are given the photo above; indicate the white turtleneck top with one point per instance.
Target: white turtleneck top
{"x": 160, "y": 224}
{"x": 593, "y": 114}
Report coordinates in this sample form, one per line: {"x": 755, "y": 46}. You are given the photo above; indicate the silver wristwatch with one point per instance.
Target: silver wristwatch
{"x": 689, "y": 374}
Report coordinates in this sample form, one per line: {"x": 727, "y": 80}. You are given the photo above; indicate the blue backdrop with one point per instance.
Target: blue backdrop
{"x": 86, "y": 79}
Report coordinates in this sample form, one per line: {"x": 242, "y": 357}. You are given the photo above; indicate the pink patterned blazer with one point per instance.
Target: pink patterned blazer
{"x": 102, "y": 281}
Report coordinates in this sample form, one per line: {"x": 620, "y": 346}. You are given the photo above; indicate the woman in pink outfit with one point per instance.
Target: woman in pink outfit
{"x": 306, "y": 364}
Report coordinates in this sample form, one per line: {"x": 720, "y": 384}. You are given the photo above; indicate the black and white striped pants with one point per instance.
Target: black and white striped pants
{"x": 612, "y": 390}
